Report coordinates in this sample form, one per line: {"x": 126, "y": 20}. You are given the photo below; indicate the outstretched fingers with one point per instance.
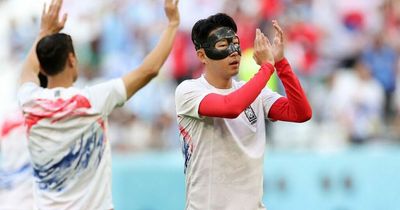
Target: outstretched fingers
{"x": 278, "y": 30}
{"x": 168, "y": 3}
{"x": 266, "y": 40}
{"x": 263, "y": 40}
{"x": 50, "y": 10}
{"x": 51, "y": 22}
{"x": 54, "y": 8}
{"x": 171, "y": 10}
{"x": 171, "y": 3}
{"x": 44, "y": 9}
{"x": 58, "y": 6}
{"x": 257, "y": 40}
{"x": 63, "y": 20}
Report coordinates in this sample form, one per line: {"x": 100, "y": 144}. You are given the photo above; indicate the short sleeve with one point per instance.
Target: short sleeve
{"x": 188, "y": 96}
{"x": 268, "y": 99}
{"x": 105, "y": 97}
{"x": 26, "y": 92}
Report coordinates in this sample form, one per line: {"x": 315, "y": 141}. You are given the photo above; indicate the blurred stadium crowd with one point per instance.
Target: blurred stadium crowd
{"x": 346, "y": 54}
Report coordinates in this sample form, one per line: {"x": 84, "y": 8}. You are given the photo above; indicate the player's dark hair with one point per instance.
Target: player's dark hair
{"x": 204, "y": 27}
{"x": 52, "y": 52}
{"x": 43, "y": 80}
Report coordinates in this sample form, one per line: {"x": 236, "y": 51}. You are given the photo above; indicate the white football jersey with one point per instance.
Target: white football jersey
{"x": 70, "y": 151}
{"x": 223, "y": 157}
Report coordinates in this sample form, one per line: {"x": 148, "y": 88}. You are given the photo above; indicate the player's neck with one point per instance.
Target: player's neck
{"x": 218, "y": 81}
{"x": 62, "y": 79}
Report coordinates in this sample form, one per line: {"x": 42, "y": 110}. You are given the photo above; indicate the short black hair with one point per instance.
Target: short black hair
{"x": 52, "y": 52}
{"x": 43, "y": 80}
{"x": 202, "y": 28}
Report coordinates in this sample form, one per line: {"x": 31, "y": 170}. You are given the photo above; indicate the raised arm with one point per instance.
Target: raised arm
{"x": 231, "y": 105}
{"x": 151, "y": 65}
{"x": 50, "y": 24}
{"x": 295, "y": 106}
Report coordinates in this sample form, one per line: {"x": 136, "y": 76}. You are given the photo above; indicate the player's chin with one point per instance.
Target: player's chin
{"x": 234, "y": 72}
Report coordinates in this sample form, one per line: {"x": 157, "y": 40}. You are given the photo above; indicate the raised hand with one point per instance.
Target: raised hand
{"x": 262, "y": 49}
{"x": 172, "y": 12}
{"x": 139, "y": 77}
{"x": 278, "y": 46}
{"x": 50, "y": 22}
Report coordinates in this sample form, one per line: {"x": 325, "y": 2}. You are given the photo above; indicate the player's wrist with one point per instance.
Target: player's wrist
{"x": 267, "y": 66}
{"x": 44, "y": 32}
{"x": 173, "y": 24}
{"x": 268, "y": 62}
{"x": 281, "y": 62}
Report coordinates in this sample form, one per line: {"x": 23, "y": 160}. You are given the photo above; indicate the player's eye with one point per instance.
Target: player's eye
{"x": 222, "y": 44}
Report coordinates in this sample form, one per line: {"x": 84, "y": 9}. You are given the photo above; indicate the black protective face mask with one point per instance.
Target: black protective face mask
{"x": 223, "y": 33}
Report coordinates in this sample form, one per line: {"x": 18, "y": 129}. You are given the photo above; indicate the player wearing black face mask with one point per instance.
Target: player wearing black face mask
{"x": 223, "y": 34}
{"x": 221, "y": 121}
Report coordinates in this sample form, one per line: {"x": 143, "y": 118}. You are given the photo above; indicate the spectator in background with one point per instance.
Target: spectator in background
{"x": 365, "y": 108}
{"x": 382, "y": 60}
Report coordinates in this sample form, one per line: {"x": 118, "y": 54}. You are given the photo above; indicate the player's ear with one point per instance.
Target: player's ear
{"x": 201, "y": 55}
{"x": 72, "y": 62}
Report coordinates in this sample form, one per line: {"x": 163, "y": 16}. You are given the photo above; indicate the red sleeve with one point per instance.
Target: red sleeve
{"x": 231, "y": 105}
{"x": 294, "y": 107}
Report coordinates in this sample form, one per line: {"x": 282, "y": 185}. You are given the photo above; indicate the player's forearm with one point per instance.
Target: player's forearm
{"x": 230, "y": 106}
{"x": 295, "y": 106}
{"x": 151, "y": 65}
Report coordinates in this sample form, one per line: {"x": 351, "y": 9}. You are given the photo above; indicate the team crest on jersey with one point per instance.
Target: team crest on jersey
{"x": 251, "y": 115}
